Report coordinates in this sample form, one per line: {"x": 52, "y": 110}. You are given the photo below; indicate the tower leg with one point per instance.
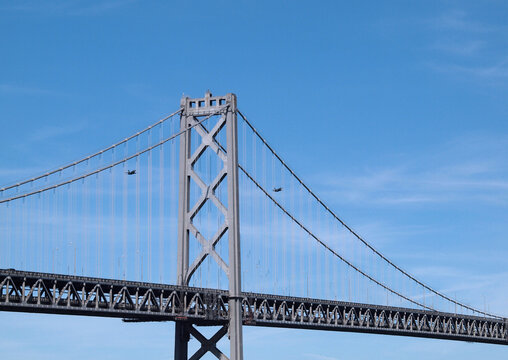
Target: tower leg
{"x": 233, "y": 217}
{"x": 181, "y": 341}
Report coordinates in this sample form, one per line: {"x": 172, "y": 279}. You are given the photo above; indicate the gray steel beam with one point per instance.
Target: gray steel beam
{"x": 181, "y": 332}
{"x": 235, "y": 289}
{"x": 74, "y": 295}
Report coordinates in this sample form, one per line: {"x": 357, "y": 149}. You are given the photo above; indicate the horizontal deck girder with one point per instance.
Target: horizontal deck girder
{"x": 76, "y": 295}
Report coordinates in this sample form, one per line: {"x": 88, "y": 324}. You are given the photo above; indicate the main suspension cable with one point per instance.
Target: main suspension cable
{"x": 84, "y": 176}
{"x": 91, "y": 156}
{"x": 356, "y": 234}
{"x": 326, "y": 246}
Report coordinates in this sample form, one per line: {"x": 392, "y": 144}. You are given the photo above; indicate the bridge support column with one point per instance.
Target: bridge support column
{"x": 182, "y": 338}
{"x": 195, "y": 111}
{"x": 233, "y": 219}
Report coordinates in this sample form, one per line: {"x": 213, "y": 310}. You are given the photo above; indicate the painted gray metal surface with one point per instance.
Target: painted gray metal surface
{"x": 135, "y": 301}
{"x": 194, "y": 110}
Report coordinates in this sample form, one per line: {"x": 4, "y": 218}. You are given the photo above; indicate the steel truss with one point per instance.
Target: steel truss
{"x": 136, "y": 301}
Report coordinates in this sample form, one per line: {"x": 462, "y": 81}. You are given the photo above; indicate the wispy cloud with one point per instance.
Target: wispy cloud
{"x": 45, "y": 134}
{"x": 487, "y": 291}
{"x": 497, "y": 71}
{"x": 467, "y": 47}
{"x": 68, "y": 8}
{"x": 12, "y": 89}
{"x": 18, "y": 172}
{"x": 32, "y": 144}
{"x": 320, "y": 357}
{"x": 459, "y": 20}
{"x": 480, "y": 175}
{"x": 51, "y": 132}
{"x": 460, "y": 47}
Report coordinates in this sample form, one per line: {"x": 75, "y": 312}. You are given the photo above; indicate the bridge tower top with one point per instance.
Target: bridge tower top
{"x": 208, "y": 104}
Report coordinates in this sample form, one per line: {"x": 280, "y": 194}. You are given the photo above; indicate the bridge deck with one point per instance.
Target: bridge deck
{"x": 137, "y": 301}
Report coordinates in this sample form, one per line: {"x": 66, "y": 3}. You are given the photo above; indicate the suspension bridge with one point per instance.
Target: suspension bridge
{"x": 197, "y": 220}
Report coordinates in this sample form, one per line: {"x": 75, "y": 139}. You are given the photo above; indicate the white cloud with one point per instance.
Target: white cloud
{"x": 49, "y": 132}
{"x": 458, "y": 20}
{"x": 468, "y": 47}
{"x": 461, "y": 48}
{"x": 320, "y": 357}
{"x": 486, "y": 72}
{"x": 469, "y": 170}
{"x": 68, "y": 8}
{"x": 23, "y": 90}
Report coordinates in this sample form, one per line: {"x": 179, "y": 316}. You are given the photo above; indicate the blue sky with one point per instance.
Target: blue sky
{"x": 394, "y": 112}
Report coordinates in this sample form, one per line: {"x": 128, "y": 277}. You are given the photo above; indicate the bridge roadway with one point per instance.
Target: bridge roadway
{"x": 138, "y": 301}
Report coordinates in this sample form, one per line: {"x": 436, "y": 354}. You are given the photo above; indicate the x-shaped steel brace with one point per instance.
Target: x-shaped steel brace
{"x": 208, "y": 345}
{"x": 208, "y": 139}
{"x": 208, "y": 248}
{"x": 207, "y": 193}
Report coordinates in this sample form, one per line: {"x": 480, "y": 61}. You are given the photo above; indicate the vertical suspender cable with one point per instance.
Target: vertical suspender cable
{"x": 85, "y": 218}
{"x": 74, "y": 216}
{"x": 22, "y": 232}
{"x": 61, "y": 227}
{"x": 112, "y": 240}
{"x": 44, "y": 234}
{"x": 208, "y": 165}
{"x": 19, "y": 234}
{"x": 219, "y": 165}
{"x": 295, "y": 239}
{"x": 335, "y": 267}
{"x": 124, "y": 217}
{"x": 302, "y": 271}
{"x": 37, "y": 243}
{"x": 30, "y": 234}
{"x": 12, "y": 233}
{"x": 30, "y": 252}
{"x": 256, "y": 209}
{"x": 283, "y": 240}
{"x": 71, "y": 239}
{"x": 172, "y": 195}
{"x": 161, "y": 202}
{"x": 265, "y": 220}
{"x": 53, "y": 230}
{"x": 14, "y": 243}
{"x": 358, "y": 276}
{"x": 137, "y": 262}
{"x": 318, "y": 277}
{"x": 326, "y": 264}
{"x": 149, "y": 274}
{"x": 98, "y": 204}
{"x": 252, "y": 258}
{"x": 173, "y": 185}
{"x": 244, "y": 190}
{"x": 68, "y": 245}
{"x": 309, "y": 255}
{"x": 3, "y": 236}
{"x": 43, "y": 251}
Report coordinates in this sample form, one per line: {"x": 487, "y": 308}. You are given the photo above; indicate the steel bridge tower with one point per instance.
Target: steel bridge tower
{"x": 194, "y": 112}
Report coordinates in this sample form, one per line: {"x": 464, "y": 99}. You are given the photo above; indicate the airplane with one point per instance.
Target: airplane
{"x": 131, "y": 172}
{"x": 277, "y": 189}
